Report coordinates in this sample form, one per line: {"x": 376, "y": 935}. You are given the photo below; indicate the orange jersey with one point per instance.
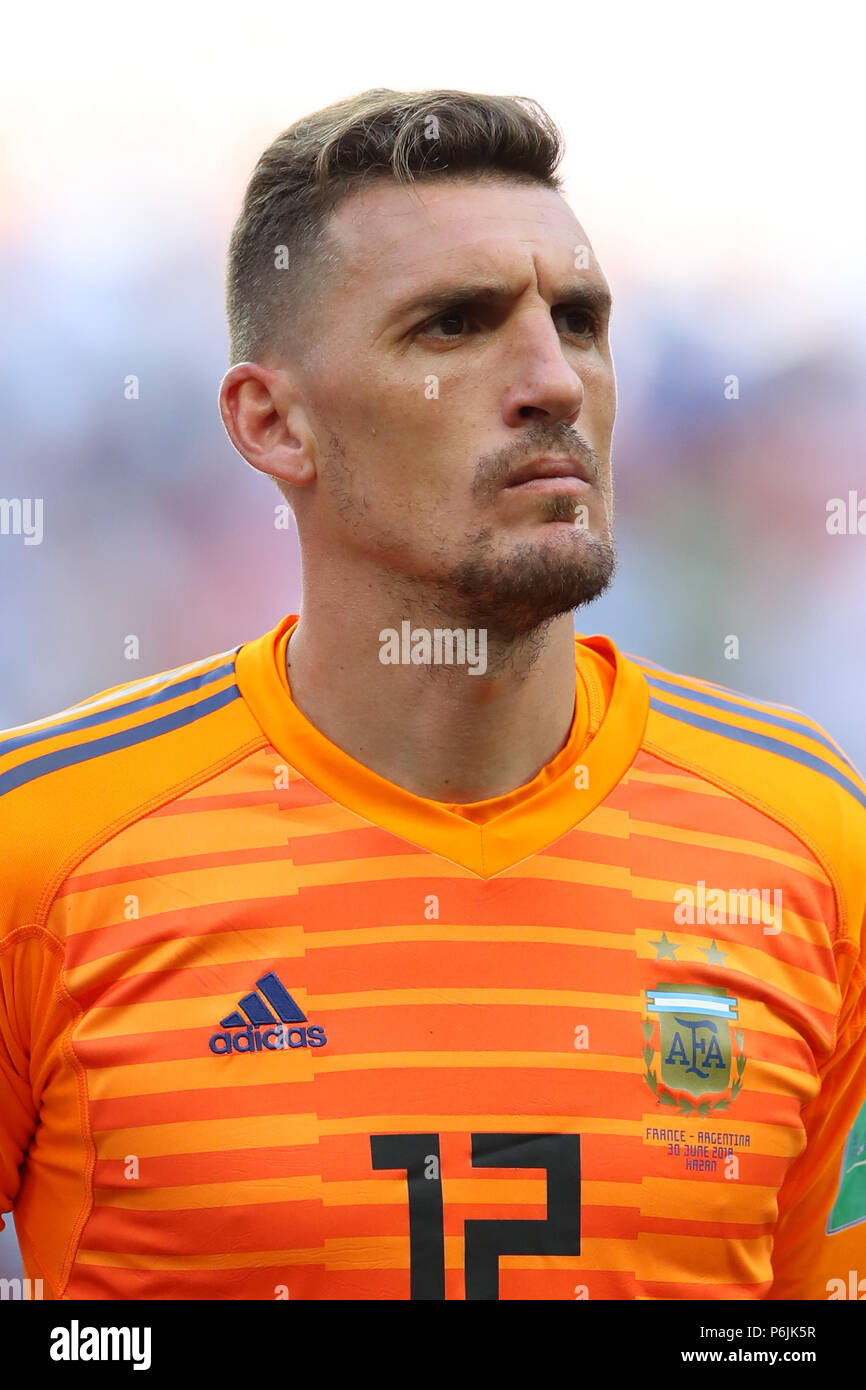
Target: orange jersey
{"x": 271, "y": 1026}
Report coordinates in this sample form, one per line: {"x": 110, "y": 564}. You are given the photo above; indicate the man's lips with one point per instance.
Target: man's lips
{"x": 558, "y": 484}
{"x": 550, "y": 475}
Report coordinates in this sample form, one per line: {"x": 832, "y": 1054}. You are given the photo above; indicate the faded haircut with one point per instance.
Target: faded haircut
{"x": 280, "y": 250}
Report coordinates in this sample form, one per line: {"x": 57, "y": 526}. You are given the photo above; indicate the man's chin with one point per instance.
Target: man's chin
{"x": 514, "y": 595}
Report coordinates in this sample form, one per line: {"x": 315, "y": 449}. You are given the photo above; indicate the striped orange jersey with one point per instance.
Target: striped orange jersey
{"x": 273, "y": 1027}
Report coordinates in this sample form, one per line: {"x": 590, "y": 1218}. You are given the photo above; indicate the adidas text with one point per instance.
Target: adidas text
{"x": 274, "y": 1039}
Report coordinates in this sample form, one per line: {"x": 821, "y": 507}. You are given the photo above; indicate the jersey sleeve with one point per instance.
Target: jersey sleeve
{"x": 786, "y": 765}
{"x": 18, "y": 1111}
{"x": 68, "y": 783}
{"x": 819, "y": 1250}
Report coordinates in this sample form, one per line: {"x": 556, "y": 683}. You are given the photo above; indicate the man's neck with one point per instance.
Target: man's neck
{"x": 437, "y": 730}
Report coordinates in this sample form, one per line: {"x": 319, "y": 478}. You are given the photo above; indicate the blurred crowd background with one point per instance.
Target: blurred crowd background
{"x": 712, "y": 163}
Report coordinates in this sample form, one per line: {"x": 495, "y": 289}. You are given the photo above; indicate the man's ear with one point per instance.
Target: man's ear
{"x": 266, "y": 421}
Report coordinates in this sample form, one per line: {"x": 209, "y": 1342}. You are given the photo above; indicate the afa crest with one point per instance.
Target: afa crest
{"x": 700, "y": 1071}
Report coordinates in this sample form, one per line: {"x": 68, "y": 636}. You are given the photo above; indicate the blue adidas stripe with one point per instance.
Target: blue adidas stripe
{"x": 771, "y": 745}
{"x": 142, "y": 733}
{"x": 286, "y": 1009}
{"x": 279, "y": 999}
{"x": 724, "y": 691}
{"x": 105, "y": 716}
{"x": 760, "y": 716}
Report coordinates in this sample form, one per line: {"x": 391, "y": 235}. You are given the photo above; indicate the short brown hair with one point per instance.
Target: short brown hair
{"x": 308, "y": 169}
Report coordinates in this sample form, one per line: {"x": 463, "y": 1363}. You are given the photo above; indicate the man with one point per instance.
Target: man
{"x": 419, "y": 948}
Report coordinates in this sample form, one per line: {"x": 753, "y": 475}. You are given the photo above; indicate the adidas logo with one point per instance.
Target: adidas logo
{"x": 253, "y": 1025}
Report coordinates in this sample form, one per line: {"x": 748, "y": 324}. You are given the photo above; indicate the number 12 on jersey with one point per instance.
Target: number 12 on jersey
{"x": 485, "y": 1241}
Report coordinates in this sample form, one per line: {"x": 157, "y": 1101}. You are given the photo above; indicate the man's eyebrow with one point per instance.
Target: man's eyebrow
{"x": 490, "y": 293}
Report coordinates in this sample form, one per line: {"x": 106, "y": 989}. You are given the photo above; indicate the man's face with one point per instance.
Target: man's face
{"x": 463, "y": 337}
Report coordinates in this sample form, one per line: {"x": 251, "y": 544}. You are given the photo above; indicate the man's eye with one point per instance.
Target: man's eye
{"x": 581, "y": 323}
{"x": 449, "y": 319}
{"x": 578, "y": 321}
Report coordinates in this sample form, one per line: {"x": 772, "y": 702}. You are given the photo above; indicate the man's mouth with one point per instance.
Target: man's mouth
{"x": 550, "y": 475}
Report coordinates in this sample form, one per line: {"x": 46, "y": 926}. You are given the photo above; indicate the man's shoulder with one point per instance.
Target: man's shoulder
{"x": 776, "y": 757}
{"x": 709, "y": 711}
{"x": 70, "y": 779}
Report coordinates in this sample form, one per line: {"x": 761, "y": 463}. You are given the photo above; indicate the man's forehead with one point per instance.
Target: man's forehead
{"x": 407, "y": 231}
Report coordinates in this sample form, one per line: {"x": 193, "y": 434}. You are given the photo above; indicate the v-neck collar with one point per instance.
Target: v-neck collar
{"x": 546, "y": 810}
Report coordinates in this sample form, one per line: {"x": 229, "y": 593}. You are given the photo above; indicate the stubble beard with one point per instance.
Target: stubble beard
{"x": 516, "y": 596}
